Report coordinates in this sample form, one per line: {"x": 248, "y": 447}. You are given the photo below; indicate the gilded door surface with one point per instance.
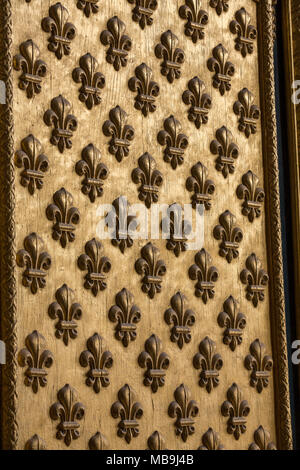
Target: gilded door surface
{"x": 135, "y": 344}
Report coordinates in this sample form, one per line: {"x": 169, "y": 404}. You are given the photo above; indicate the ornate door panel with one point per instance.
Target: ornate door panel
{"x": 135, "y": 344}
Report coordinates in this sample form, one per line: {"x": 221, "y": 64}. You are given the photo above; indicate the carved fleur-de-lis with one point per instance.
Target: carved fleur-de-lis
{"x": 211, "y": 441}
{"x": 262, "y": 440}
{"x": 247, "y": 112}
{"x": 230, "y": 236}
{"x": 118, "y": 42}
{"x": 37, "y": 358}
{"x": 252, "y": 195}
{"x": 64, "y": 123}
{"x": 149, "y": 178}
{"x": 94, "y": 171}
{"x": 156, "y": 362}
{"x": 205, "y": 274}
{"x": 124, "y": 225}
{"x": 234, "y": 321}
{"x": 33, "y": 162}
{"x": 36, "y": 261}
{"x": 67, "y": 312}
{"x": 176, "y": 229}
{"x": 199, "y": 100}
{"x": 33, "y": 68}
{"x": 220, "y": 6}
{"x": 156, "y": 441}
{"x": 143, "y": 11}
{"x": 91, "y": 80}
{"x": 223, "y": 69}
{"x": 202, "y": 187}
{"x": 196, "y": 18}
{"x": 62, "y": 32}
{"x": 88, "y": 6}
{"x": 129, "y": 411}
{"x": 260, "y": 364}
{"x": 210, "y": 363}
{"x": 226, "y": 150}
{"x": 96, "y": 265}
{"x": 181, "y": 318}
{"x": 246, "y": 33}
{"x": 126, "y": 314}
{"x": 185, "y": 410}
{"x": 237, "y": 410}
{"x": 98, "y": 360}
{"x": 255, "y": 278}
{"x": 120, "y": 132}
{"x": 173, "y": 56}
{"x": 35, "y": 443}
{"x": 64, "y": 215}
{"x": 68, "y": 411}
{"x": 147, "y": 90}
{"x": 152, "y": 269}
{"x": 98, "y": 442}
{"x": 176, "y": 142}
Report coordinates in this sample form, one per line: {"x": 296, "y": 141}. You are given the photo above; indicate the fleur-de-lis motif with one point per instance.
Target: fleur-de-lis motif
{"x": 255, "y": 278}
{"x": 88, "y": 6}
{"x": 176, "y": 142}
{"x": 120, "y": 132}
{"x": 61, "y": 31}
{"x": 64, "y": 215}
{"x": 69, "y": 411}
{"x": 252, "y": 195}
{"x": 36, "y": 261}
{"x": 185, "y": 410}
{"x": 124, "y": 225}
{"x": 205, "y": 274}
{"x": 260, "y": 364}
{"x": 211, "y": 441}
{"x": 93, "y": 170}
{"x": 173, "y": 56}
{"x": 126, "y": 314}
{"x": 98, "y": 360}
{"x": 33, "y": 162}
{"x": 246, "y": 33}
{"x": 143, "y": 11}
{"x": 129, "y": 411}
{"x": 200, "y": 102}
{"x": 118, "y": 42}
{"x": 37, "y": 358}
{"x": 226, "y": 150}
{"x": 156, "y": 441}
{"x": 97, "y": 266}
{"x": 67, "y": 312}
{"x": 262, "y": 440}
{"x": 156, "y": 362}
{"x": 147, "y": 90}
{"x": 33, "y": 68}
{"x": 248, "y": 112}
{"x": 202, "y": 187}
{"x": 196, "y": 18}
{"x": 98, "y": 442}
{"x": 35, "y": 443}
{"x": 91, "y": 80}
{"x": 152, "y": 269}
{"x": 230, "y": 236}
{"x": 210, "y": 364}
{"x": 220, "y": 6}
{"x": 223, "y": 69}
{"x": 176, "y": 229}
{"x": 234, "y": 321}
{"x": 64, "y": 123}
{"x": 181, "y": 318}
{"x": 149, "y": 178}
{"x": 237, "y": 410}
